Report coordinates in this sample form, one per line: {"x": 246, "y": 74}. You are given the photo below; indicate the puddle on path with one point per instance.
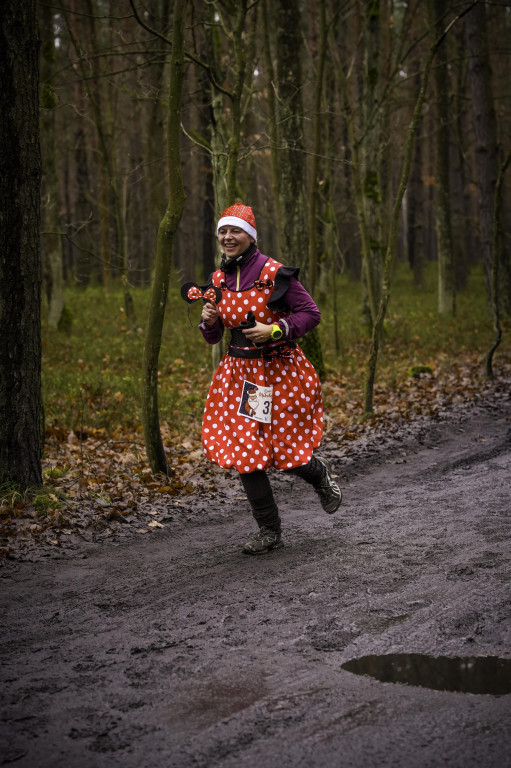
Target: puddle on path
{"x": 466, "y": 674}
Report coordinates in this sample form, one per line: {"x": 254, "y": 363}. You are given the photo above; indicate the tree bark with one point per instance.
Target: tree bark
{"x": 273, "y": 130}
{"x": 497, "y": 247}
{"x": 371, "y": 153}
{"x": 415, "y": 200}
{"x": 51, "y": 243}
{"x": 316, "y": 149}
{"x": 292, "y": 191}
{"x": 294, "y": 234}
{"x": 394, "y": 221}
{"x": 166, "y": 237}
{"x": 484, "y": 124}
{"x": 446, "y": 273}
{"x": 392, "y": 239}
{"x": 20, "y": 261}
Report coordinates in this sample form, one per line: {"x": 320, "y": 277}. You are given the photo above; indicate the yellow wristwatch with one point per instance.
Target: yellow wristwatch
{"x": 276, "y": 332}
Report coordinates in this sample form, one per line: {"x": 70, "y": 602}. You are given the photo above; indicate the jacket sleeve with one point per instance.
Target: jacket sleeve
{"x": 212, "y": 333}
{"x": 289, "y": 295}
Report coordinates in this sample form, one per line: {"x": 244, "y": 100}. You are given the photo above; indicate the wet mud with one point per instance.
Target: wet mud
{"x": 174, "y": 649}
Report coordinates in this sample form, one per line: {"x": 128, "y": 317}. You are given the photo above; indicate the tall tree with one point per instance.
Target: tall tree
{"x": 293, "y": 223}
{"x": 446, "y": 274}
{"x": 51, "y": 243}
{"x": 390, "y": 251}
{"x": 496, "y": 263}
{"x": 415, "y": 191}
{"x": 166, "y": 235}
{"x": 317, "y": 122}
{"x": 20, "y": 261}
{"x": 372, "y": 143}
{"x": 485, "y": 130}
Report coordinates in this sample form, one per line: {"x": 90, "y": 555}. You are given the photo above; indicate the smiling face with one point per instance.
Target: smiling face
{"x": 233, "y": 240}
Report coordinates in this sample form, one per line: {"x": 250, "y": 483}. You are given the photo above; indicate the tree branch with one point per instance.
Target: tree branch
{"x": 188, "y": 55}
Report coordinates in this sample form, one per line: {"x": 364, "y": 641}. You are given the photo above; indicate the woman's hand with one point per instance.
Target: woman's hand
{"x": 209, "y": 313}
{"x": 259, "y": 333}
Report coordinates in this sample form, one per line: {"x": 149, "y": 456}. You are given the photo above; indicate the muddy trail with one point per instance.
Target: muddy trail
{"x": 174, "y": 649}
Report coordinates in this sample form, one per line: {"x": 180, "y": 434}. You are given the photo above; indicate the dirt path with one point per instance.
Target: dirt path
{"x": 175, "y": 650}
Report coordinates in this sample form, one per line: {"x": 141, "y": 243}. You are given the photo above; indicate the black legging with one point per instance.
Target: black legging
{"x": 260, "y": 495}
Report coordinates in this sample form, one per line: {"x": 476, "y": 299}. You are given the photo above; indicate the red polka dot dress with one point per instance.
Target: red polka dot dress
{"x": 233, "y": 440}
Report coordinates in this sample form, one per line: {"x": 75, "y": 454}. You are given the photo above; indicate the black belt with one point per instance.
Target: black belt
{"x": 267, "y": 353}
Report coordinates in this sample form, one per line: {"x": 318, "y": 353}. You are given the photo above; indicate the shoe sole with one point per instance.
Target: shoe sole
{"x": 262, "y": 551}
{"x": 331, "y": 511}
{"x": 328, "y": 467}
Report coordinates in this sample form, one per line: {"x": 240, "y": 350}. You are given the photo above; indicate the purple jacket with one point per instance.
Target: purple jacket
{"x": 305, "y": 314}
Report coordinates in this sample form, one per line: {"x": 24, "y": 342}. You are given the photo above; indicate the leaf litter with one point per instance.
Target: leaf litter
{"x": 99, "y": 486}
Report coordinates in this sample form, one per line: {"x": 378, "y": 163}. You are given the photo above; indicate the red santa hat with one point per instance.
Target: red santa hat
{"x": 239, "y": 215}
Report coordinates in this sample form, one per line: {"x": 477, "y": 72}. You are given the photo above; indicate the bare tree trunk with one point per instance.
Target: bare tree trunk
{"x": 104, "y": 124}
{"x": 316, "y": 148}
{"x": 292, "y": 190}
{"x": 415, "y": 202}
{"x": 83, "y": 212}
{"x": 293, "y": 172}
{"x": 20, "y": 260}
{"x": 394, "y": 221}
{"x": 446, "y": 274}
{"x": 166, "y": 236}
{"x": 226, "y": 132}
{"x": 484, "y": 123}
{"x": 370, "y": 153}
{"x": 391, "y": 243}
{"x": 51, "y": 243}
{"x": 273, "y": 131}
{"x": 207, "y": 218}
{"x": 497, "y": 246}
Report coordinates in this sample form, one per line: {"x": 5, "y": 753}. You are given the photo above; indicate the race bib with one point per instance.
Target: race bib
{"x": 255, "y": 402}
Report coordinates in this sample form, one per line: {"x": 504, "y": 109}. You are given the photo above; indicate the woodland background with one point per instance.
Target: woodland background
{"x": 372, "y": 139}
{"x": 323, "y": 82}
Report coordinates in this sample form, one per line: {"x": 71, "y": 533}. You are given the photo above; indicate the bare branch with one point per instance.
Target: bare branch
{"x": 188, "y": 55}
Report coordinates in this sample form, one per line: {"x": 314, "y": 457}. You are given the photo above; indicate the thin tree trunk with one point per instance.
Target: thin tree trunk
{"x": 394, "y": 222}
{"x": 165, "y": 243}
{"x": 83, "y": 213}
{"x": 370, "y": 153}
{"x": 273, "y": 131}
{"x": 292, "y": 190}
{"x": 484, "y": 123}
{"x": 104, "y": 124}
{"x": 20, "y": 260}
{"x": 316, "y": 148}
{"x": 497, "y": 246}
{"x": 51, "y": 244}
{"x": 234, "y": 143}
{"x": 446, "y": 274}
{"x": 415, "y": 202}
{"x": 392, "y": 239}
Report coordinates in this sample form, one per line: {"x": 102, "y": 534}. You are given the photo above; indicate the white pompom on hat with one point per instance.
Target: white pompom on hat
{"x": 239, "y": 215}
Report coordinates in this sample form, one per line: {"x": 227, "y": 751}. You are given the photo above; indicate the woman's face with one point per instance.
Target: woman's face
{"x": 233, "y": 240}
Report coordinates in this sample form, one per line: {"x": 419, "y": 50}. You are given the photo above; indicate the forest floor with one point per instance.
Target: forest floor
{"x": 173, "y": 649}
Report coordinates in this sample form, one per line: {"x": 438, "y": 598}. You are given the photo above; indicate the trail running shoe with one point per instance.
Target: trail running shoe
{"x": 264, "y": 540}
{"x": 328, "y": 491}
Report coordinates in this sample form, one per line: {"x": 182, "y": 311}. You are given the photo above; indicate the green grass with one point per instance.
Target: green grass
{"x": 92, "y": 375}
{"x": 415, "y": 334}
